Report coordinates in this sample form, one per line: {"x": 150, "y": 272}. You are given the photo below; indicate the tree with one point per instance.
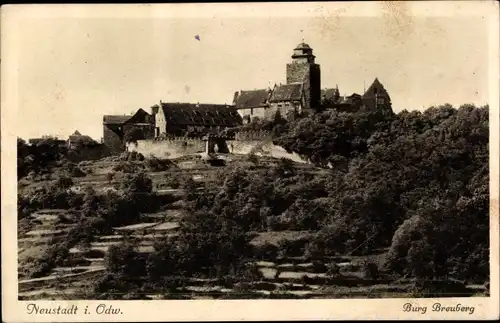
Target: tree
{"x": 83, "y": 142}
{"x": 123, "y": 259}
{"x": 410, "y": 236}
{"x": 370, "y": 270}
{"x": 133, "y": 134}
{"x": 64, "y": 182}
{"x": 137, "y": 183}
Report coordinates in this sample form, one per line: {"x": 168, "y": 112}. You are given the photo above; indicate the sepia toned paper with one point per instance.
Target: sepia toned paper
{"x": 63, "y": 67}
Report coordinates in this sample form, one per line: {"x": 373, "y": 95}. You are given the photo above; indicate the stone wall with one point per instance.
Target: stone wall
{"x": 252, "y": 136}
{"x": 168, "y": 148}
{"x": 251, "y": 142}
{"x": 262, "y": 148}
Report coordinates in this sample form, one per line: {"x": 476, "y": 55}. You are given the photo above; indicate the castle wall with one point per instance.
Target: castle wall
{"x": 256, "y": 142}
{"x": 260, "y": 143}
{"x": 262, "y": 148}
{"x": 168, "y": 148}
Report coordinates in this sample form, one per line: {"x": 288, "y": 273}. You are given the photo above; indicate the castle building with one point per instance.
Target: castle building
{"x": 302, "y": 92}
{"x": 288, "y": 98}
{"x": 193, "y": 119}
{"x": 115, "y": 128}
{"x": 252, "y": 104}
{"x": 376, "y": 96}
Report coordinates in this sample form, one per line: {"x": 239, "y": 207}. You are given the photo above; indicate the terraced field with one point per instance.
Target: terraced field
{"x": 289, "y": 277}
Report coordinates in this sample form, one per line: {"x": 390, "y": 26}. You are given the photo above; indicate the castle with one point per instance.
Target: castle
{"x": 302, "y": 94}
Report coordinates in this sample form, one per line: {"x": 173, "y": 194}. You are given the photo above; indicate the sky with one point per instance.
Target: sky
{"x": 72, "y": 70}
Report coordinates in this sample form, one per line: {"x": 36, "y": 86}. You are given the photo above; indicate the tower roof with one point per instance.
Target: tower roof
{"x": 303, "y": 46}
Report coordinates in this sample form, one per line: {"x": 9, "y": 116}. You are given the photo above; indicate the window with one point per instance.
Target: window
{"x": 380, "y": 101}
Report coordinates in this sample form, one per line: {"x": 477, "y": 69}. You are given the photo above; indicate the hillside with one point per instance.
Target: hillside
{"x": 388, "y": 217}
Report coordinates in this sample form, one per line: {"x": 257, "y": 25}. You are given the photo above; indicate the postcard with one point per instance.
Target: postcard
{"x": 250, "y": 161}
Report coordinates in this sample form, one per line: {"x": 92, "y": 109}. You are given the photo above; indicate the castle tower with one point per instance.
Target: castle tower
{"x": 303, "y": 69}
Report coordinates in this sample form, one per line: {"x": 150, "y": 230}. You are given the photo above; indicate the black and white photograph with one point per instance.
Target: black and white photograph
{"x": 219, "y": 152}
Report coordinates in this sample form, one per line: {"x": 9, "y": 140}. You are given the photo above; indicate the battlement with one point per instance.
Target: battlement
{"x": 252, "y": 135}
{"x": 219, "y": 137}
{"x": 177, "y": 139}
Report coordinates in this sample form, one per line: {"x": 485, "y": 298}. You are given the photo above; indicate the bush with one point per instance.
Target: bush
{"x": 111, "y": 286}
{"x": 64, "y": 182}
{"x": 127, "y": 167}
{"x": 110, "y": 176}
{"x": 137, "y": 183}
{"x": 253, "y": 159}
{"x": 74, "y": 170}
{"x": 191, "y": 189}
{"x": 291, "y": 248}
{"x": 319, "y": 267}
{"x": 333, "y": 270}
{"x": 159, "y": 165}
{"x": 173, "y": 180}
{"x": 250, "y": 273}
{"x": 285, "y": 167}
{"x": 265, "y": 252}
{"x": 53, "y": 256}
{"x": 131, "y": 156}
{"x": 409, "y": 251}
{"x": 370, "y": 270}
{"x": 52, "y": 195}
{"x": 119, "y": 209}
{"x": 124, "y": 260}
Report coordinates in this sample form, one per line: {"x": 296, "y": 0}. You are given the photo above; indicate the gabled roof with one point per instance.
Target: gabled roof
{"x": 350, "y": 99}
{"x": 287, "y": 92}
{"x": 115, "y": 119}
{"x": 76, "y": 133}
{"x": 376, "y": 86}
{"x": 251, "y": 99}
{"x": 140, "y": 117}
{"x": 201, "y": 114}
